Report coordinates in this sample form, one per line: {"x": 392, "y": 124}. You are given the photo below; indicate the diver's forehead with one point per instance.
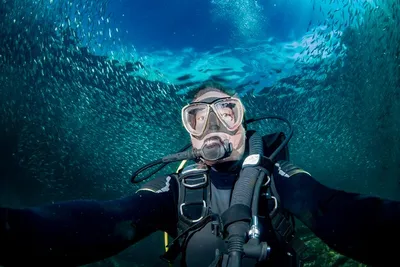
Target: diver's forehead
{"x": 211, "y": 94}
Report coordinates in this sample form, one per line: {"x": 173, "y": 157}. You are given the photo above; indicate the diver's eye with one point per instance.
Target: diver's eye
{"x": 226, "y": 115}
{"x": 200, "y": 118}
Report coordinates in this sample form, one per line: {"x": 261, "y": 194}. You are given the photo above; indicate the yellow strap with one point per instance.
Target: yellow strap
{"x": 165, "y": 233}
{"x": 166, "y": 241}
{"x": 181, "y": 165}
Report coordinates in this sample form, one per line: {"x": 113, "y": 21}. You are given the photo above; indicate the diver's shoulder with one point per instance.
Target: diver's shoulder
{"x": 160, "y": 184}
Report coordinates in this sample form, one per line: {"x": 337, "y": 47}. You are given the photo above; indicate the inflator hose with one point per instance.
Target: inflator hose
{"x": 243, "y": 194}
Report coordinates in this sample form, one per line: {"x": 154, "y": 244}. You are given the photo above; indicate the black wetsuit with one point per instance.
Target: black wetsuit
{"x": 73, "y": 233}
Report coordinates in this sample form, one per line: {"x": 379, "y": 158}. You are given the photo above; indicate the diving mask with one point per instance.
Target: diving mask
{"x": 228, "y": 111}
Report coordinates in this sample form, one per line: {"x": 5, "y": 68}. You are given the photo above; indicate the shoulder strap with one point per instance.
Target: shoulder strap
{"x": 284, "y": 226}
{"x": 271, "y": 143}
{"x": 282, "y": 222}
{"x": 193, "y": 207}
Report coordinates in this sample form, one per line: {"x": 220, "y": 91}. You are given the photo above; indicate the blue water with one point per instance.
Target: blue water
{"x": 156, "y": 25}
{"x": 75, "y": 125}
{"x": 175, "y": 25}
{"x": 259, "y": 41}
{"x": 320, "y": 63}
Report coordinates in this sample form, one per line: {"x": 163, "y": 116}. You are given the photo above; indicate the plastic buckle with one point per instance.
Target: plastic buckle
{"x": 195, "y": 181}
{"x": 194, "y": 176}
{"x": 216, "y": 228}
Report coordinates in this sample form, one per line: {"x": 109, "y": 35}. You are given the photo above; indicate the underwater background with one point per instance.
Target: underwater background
{"x": 92, "y": 90}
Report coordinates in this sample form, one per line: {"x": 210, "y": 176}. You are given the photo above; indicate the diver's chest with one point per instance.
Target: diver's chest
{"x": 203, "y": 246}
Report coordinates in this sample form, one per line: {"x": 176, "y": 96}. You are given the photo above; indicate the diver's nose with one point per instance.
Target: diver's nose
{"x": 214, "y": 122}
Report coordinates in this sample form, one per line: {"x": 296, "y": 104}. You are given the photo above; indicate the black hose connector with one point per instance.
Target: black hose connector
{"x": 254, "y": 249}
{"x": 236, "y": 240}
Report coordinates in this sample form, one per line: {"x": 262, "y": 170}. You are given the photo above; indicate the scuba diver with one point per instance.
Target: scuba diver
{"x": 234, "y": 205}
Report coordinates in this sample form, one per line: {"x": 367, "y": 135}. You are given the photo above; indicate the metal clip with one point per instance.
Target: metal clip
{"x": 267, "y": 182}
{"x": 203, "y": 212}
{"x": 275, "y": 205}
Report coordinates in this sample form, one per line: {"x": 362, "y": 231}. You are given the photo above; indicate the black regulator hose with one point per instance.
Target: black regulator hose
{"x": 245, "y": 195}
{"x": 288, "y": 136}
{"x": 164, "y": 161}
{"x": 242, "y": 195}
{"x": 256, "y": 196}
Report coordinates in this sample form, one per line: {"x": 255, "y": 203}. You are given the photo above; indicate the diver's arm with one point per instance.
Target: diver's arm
{"x": 365, "y": 228}
{"x": 79, "y": 232}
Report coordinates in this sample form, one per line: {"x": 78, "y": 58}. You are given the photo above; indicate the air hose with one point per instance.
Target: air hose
{"x": 243, "y": 195}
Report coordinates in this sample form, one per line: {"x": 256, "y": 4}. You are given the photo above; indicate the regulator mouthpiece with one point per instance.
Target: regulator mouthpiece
{"x": 215, "y": 150}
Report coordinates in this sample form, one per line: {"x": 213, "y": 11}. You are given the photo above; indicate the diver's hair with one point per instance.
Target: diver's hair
{"x": 210, "y": 86}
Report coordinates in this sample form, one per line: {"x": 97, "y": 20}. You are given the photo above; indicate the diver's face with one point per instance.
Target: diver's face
{"x": 215, "y": 130}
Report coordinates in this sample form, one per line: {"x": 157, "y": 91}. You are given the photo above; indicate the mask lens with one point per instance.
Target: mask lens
{"x": 195, "y": 118}
{"x": 230, "y": 113}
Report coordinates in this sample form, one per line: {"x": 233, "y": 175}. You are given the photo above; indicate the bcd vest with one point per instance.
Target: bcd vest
{"x": 194, "y": 209}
